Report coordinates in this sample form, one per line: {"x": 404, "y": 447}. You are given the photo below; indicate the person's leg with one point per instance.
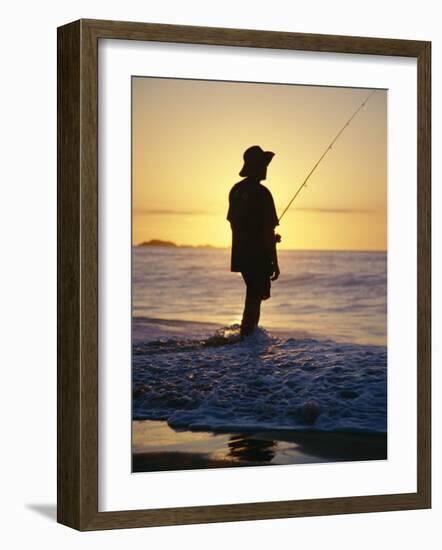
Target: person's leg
{"x": 257, "y": 313}
{"x": 250, "y": 316}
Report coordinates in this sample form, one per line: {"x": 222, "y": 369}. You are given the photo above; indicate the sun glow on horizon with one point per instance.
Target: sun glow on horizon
{"x": 188, "y": 141}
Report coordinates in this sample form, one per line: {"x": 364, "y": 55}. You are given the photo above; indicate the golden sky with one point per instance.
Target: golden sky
{"x": 189, "y": 137}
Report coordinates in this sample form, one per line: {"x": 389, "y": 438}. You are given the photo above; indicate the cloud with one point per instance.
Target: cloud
{"x": 165, "y": 212}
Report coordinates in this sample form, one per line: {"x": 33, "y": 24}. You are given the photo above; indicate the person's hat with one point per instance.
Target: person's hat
{"x": 255, "y": 159}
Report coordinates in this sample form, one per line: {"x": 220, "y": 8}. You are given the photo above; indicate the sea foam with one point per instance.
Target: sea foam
{"x": 264, "y": 382}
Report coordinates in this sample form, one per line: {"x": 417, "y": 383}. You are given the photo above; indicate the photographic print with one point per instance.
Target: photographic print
{"x": 259, "y": 274}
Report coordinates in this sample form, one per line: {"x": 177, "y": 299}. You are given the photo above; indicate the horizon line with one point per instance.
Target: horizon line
{"x": 176, "y": 245}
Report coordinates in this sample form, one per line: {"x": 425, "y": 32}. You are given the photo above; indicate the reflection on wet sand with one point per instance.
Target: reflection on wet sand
{"x": 249, "y": 449}
{"x": 157, "y": 447}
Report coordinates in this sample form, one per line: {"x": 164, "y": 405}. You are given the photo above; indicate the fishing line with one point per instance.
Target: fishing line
{"x": 325, "y": 152}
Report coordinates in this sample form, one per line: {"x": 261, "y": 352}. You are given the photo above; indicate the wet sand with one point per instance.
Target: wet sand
{"x": 157, "y": 447}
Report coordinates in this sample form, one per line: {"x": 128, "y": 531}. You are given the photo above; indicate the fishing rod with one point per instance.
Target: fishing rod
{"x": 303, "y": 184}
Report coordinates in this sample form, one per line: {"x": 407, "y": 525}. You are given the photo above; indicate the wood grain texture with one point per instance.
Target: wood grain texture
{"x": 78, "y": 273}
{"x": 252, "y": 38}
{"x": 424, "y": 274}
{"x": 68, "y": 275}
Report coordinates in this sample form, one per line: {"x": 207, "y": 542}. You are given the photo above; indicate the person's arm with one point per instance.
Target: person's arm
{"x": 272, "y": 238}
{"x": 271, "y": 247}
{"x": 276, "y": 271}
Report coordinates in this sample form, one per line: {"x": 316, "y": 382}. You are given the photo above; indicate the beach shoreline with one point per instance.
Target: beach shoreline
{"x": 157, "y": 447}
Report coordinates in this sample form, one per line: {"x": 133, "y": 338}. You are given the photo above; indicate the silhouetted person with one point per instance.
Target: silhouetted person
{"x": 252, "y": 216}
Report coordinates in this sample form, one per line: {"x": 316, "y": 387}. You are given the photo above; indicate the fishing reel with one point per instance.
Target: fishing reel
{"x": 277, "y": 238}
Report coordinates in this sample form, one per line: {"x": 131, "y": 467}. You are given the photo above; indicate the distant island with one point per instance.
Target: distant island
{"x": 158, "y": 242}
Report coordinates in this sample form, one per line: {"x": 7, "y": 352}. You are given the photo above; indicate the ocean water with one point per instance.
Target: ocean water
{"x": 318, "y": 362}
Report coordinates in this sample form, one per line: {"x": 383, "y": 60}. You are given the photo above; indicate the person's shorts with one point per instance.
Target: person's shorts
{"x": 257, "y": 283}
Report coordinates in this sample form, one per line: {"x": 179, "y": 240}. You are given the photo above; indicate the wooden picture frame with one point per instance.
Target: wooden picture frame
{"x": 78, "y": 274}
